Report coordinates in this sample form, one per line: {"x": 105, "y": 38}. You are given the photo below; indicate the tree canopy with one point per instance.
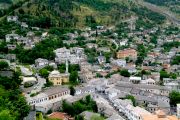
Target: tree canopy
{"x": 79, "y": 106}
{"x": 3, "y": 65}
{"x": 125, "y": 73}
{"x": 174, "y": 98}
{"x": 13, "y": 105}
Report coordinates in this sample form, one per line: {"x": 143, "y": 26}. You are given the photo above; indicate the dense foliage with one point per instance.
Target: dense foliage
{"x": 6, "y": 1}
{"x": 132, "y": 98}
{"x": 164, "y": 74}
{"x": 79, "y": 106}
{"x": 174, "y": 98}
{"x": 125, "y": 73}
{"x": 168, "y": 45}
{"x": 142, "y": 53}
{"x": 176, "y": 60}
{"x": 3, "y": 65}
{"x": 73, "y": 13}
{"x": 13, "y": 105}
{"x": 144, "y": 13}
{"x": 43, "y": 49}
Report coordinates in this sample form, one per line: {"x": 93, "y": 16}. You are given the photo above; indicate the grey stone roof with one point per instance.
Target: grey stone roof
{"x": 55, "y": 90}
{"x": 141, "y": 86}
{"x": 115, "y": 117}
{"x": 146, "y": 98}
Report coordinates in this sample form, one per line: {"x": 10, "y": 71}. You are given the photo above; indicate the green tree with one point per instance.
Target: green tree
{"x": 176, "y": 60}
{"x": 48, "y": 83}
{"x": 72, "y": 90}
{"x": 154, "y": 39}
{"x": 79, "y": 106}
{"x": 107, "y": 56}
{"x": 173, "y": 75}
{"x": 3, "y": 48}
{"x": 5, "y": 115}
{"x": 79, "y": 117}
{"x": 96, "y": 117}
{"x": 44, "y": 72}
{"x": 174, "y": 98}
{"x": 74, "y": 67}
{"x": 139, "y": 60}
{"x": 22, "y": 106}
{"x": 132, "y": 98}
{"x": 91, "y": 59}
{"x": 125, "y": 73}
{"x": 73, "y": 77}
{"x": 49, "y": 68}
{"x": 62, "y": 68}
{"x": 3, "y": 65}
{"x": 99, "y": 75}
{"x": 68, "y": 108}
{"x": 163, "y": 74}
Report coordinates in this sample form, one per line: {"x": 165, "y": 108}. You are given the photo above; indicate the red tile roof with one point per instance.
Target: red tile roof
{"x": 60, "y": 115}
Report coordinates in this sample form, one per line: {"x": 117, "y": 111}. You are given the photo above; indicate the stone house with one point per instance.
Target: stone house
{"x": 131, "y": 53}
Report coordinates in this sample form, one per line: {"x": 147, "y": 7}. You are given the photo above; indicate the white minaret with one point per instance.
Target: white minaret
{"x": 67, "y": 65}
{"x": 178, "y": 110}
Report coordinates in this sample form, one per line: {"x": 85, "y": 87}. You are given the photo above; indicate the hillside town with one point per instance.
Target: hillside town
{"x": 102, "y": 72}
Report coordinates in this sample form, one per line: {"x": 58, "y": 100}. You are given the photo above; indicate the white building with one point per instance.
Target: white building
{"x": 23, "y": 41}
{"x": 74, "y": 55}
{"x": 62, "y": 54}
{"x": 148, "y": 81}
{"x": 11, "y": 46}
{"x": 131, "y": 69}
{"x": 48, "y": 95}
{"x": 40, "y": 63}
{"x": 91, "y": 45}
{"x": 84, "y": 90}
{"x": 12, "y": 18}
{"x": 126, "y": 107}
{"x": 135, "y": 80}
{"x": 24, "y": 25}
{"x": 111, "y": 92}
{"x": 123, "y": 43}
{"x": 10, "y": 37}
{"x": 29, "y": 80}
{"x": 119, "y": 62}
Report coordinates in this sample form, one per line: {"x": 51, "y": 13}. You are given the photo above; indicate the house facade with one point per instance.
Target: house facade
{"x": 122, "y": 54}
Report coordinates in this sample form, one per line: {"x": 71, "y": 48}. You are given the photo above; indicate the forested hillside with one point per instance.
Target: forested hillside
{"x": 73, "y": 13}
{"x": 6, "y": 1}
